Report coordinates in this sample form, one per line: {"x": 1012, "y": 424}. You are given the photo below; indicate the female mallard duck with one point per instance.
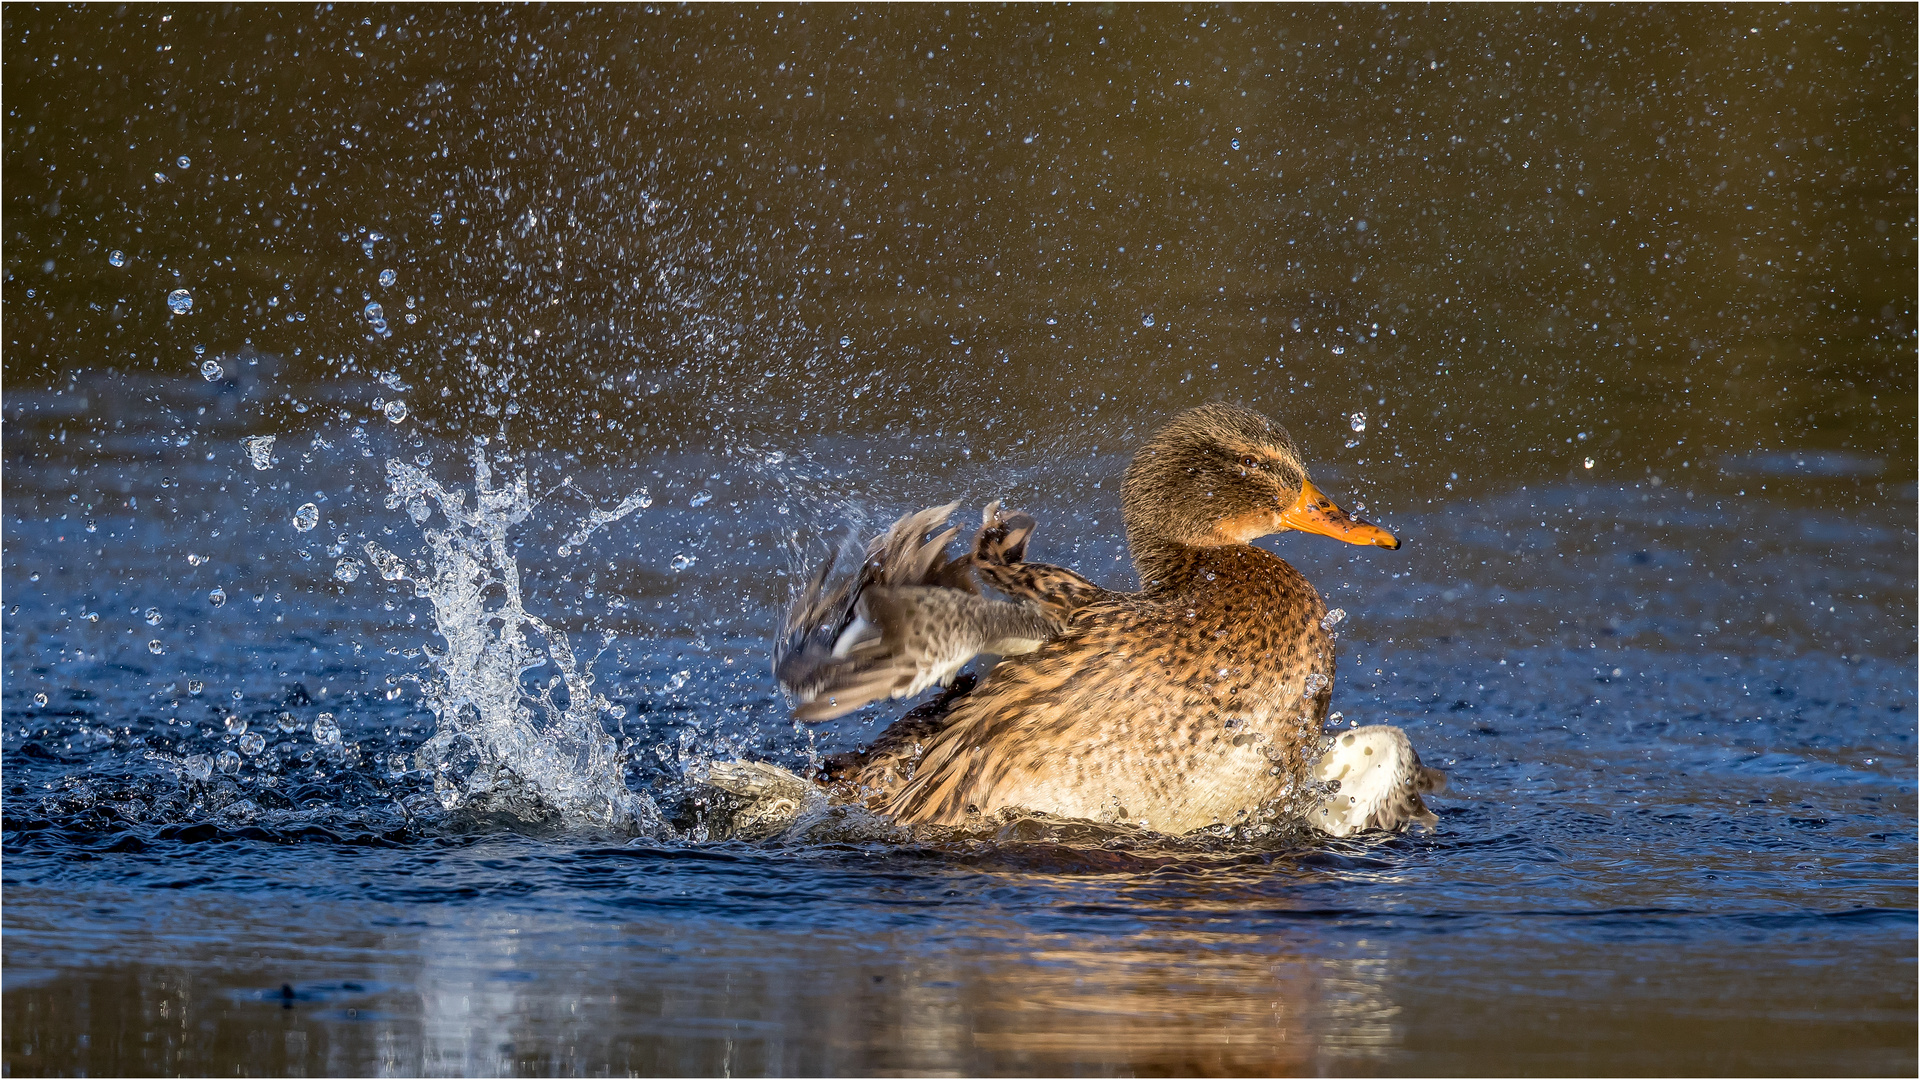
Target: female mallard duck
{"x": 1196, "y": 701}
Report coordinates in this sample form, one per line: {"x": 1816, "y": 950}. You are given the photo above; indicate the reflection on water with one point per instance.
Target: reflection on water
{"x": 1625, "y": 297}
{"x": 955, "y": 980}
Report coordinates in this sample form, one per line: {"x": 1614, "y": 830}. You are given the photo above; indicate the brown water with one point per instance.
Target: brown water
{"x": 1626, "y": 298}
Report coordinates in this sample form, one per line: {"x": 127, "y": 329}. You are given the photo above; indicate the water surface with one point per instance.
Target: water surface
{"x": 1609, "y": 315}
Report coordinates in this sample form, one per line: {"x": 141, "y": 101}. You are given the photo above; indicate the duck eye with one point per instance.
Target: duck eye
{"x": 1248, "y": 462}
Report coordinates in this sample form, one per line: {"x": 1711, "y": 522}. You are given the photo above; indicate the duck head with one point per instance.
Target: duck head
{"x": 1221, "y": 474}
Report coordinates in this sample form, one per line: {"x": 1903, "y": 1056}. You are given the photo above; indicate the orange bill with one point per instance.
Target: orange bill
{"x": 1315, "y": 513}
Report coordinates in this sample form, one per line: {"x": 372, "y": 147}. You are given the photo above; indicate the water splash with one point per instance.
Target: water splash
{"x": 541, "y": 757}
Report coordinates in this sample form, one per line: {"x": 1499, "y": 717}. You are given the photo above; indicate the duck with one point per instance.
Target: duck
{"x": 1196, "y": 700}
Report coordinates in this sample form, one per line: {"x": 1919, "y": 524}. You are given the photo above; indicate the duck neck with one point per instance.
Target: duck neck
{"x": 1164, "y": 564}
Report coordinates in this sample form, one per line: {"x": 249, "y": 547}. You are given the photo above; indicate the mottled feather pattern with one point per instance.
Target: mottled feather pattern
{"x": 909, "y": 618}
{"x": 1196, "y": 701}
{"x": 817, "y": 622}
{"x": 999, "y": 551}
{"x": 1181, "y": 707}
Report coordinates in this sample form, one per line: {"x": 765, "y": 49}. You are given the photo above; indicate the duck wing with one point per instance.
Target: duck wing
{"x": 913, "y": 637}
{"x": 1378, "y": 783}
{"x": 908, "y": 618}
{"x": 999, "y": 560}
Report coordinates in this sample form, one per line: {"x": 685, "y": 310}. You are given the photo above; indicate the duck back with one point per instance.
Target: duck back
{"x": 1191, "y": 703}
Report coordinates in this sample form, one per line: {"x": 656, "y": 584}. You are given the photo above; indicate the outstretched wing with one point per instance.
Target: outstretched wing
{"x": 913, "y": 637}
{"x": 910, "y": 617}
{"x": 1379, "y": 782}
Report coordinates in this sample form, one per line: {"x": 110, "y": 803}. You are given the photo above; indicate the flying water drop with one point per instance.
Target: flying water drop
{"x": 179, "y": 301}
{"x": 210, "y": 370}
{"x": 260, "y": 450}
{"x": 305, "y": 518}
{"x": 326, "y": 730}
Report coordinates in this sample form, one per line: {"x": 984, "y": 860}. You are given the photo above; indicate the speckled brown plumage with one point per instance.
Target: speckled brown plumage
{"x": 1196, "y": 700}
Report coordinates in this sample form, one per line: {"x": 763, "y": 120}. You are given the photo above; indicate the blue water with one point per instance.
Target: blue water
{"x": 1679, "y": 836}
{"x": 1608, "y": 313}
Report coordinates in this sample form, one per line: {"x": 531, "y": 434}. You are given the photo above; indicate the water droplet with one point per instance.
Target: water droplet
{"x": 326, "y": 731}
{"x": 388, "y": 277}
{"x": 152, "y": 616}
{"x": 678, "y": 680}
{"x": 40, "y": 700}
{"x": 845, "y": 342}
{"x": 260, "y": 450}
{"x": 397, "y": 765}
{"x": 210, "y": 370}
{"x": 179, "y": 301}
{"x": 1333, "y": 618}
{"x": 1146, "y": 320}
{"x": 1589, "y": 463}
{"x": 194, "y": 686}
{"x": 1339, "y": 350}
{"x": 374, "y": 313}
{"x": 682, "y": 561}
{"x": 155, "y": 647}
{"x": 184, "y": 161}
{"x": 227, "y": 762}
{"x": 700, "y": 498}
{"x": 195, "y": 559}
{"x": 435, "y": 217}
{"x": 396, "y": 410}
{"x": 347, "y": 569}
{"x": 306, "y": 517}
{"x": 1235, "y": 143}
{"x": 1358, "y": 421}
{"x": 288, "y": 722}
{"x": 1316, "y": 682}
{"x": 236, "y": 725}
{"x": 117, "y": 257}
{"x": 251, "y": 745}
{"x": 198, "y": 766}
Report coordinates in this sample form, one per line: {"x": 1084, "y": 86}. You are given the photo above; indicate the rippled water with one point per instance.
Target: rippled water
{"x": 1630, "y": 320}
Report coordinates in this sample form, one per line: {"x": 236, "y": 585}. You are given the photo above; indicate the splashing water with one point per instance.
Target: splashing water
{"x": 498, "y": 748}
{"x": 600, "y": 518}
